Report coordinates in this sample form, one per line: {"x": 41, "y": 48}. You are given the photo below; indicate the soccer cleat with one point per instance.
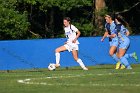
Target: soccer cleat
{"x": 135, "y": 56}
{"x": 85, "y": 68}
{"x": 118, "y": 65}
{"x": 122, "y": 66}
{"x": 57, "y": 65}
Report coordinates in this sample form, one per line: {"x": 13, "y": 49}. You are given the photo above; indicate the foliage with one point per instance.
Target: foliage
{"x": 13, "y": 25}
{"x": 102, "y": 12}
{"x": 86, "y": 28}
{"x": 44, "y": 18}
{"x": 65, "y": 5}
{"x": 51, "y": 13}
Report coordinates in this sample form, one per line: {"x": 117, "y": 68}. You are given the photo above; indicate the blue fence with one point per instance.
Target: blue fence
{"x": 25, "y": 54}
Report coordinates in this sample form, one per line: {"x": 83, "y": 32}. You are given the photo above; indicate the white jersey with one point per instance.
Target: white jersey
{"x": 70, "y": 33}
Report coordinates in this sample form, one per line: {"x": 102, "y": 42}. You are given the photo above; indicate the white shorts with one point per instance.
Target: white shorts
{"x": 71, "y": 46}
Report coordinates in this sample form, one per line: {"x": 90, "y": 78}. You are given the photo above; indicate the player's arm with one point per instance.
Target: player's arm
{"x": 127, "y": 33}
{"x": 77, "y": 36}
{"x": 105, "y": 35}
{"x": 112, "y": 35}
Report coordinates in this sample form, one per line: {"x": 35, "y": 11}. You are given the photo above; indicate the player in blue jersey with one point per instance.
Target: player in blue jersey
{"x": 124, "y": 43}
{"x": 111, "y": 33}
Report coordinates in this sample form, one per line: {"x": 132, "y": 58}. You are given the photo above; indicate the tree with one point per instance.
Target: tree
{"x": 99, "y": 7}
{"x": 51, "y": 14}
{"x": 13, "y": 25}
{"x": 129, "y": 9}
{"x": 23, "y": 19}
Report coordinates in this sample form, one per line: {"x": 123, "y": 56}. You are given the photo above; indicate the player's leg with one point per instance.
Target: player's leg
{"x": 123, "y": 59}
{"x": 126, "y": 45}
{"x": 118, "y": 64}
{"x": 78, "y": 60}
{"x": 57, "y": 54}
{"x": 133, "y": 55}
{"x": 112, "y": 52}
{"x": 123, "y": 46}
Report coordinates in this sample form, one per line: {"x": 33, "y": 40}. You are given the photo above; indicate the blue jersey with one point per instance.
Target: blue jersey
{"x": 121, "y": 32}
{"x": 107, "y": 27}
{"x": 111, "y": 28}
{"x": 123, "y": 39}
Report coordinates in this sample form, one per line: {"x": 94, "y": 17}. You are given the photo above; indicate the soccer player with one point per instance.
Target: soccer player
{"x": 111, "y": 33}
{"x": 124, "y": 42}
{"x": 72, "y": 34}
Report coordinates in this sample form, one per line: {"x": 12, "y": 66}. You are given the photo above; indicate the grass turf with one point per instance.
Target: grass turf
{"x": 99, "y": 79}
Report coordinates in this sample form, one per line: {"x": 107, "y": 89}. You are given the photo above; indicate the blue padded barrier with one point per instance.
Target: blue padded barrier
{"x": 26, "y": 54}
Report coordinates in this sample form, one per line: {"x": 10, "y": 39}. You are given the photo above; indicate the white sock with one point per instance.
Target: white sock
{"x": 81, "y": 63}
{"x": 57, "y": 55}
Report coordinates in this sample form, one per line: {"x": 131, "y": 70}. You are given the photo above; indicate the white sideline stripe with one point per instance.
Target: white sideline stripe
{"x": 28, "y": 81}
{"x": 53, "y": 75}
{"x": 73, "y": 84}
{"x": 82, "y": 75}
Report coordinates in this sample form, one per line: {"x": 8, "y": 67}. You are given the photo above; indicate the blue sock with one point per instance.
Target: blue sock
{"x": 125, "y": 62}
{"x": 128, "y": 55}
{"x": 115, "y": 58}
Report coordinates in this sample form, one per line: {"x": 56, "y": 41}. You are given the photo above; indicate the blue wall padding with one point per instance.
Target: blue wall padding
{"x": 26, "y": 54}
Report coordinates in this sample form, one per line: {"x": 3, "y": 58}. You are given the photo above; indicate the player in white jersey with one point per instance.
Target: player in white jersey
{"x": 72, "y": 34}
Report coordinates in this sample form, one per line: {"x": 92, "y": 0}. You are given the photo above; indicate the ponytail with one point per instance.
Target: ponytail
{"x": 122, "y": 21}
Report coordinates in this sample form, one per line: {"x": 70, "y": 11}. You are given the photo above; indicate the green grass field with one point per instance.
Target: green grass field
{"x": 99, "y": 79}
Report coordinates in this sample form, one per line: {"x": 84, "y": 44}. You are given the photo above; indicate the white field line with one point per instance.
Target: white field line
{"x": 82, "y": 75}
{"x": 29, "y": 80}
{"x": 69, "y": 75}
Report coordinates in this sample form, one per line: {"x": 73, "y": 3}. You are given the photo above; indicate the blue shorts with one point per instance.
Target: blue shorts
{"x": 114, "y": 42}
{"x": 124, "y": 44}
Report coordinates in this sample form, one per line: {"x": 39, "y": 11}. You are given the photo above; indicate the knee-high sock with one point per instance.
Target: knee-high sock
{"x": 115, "y": 58}
{"x": 81, "y": 63}
{"x": 124, "y": 61}
{"x": 128, "y": 55}
{"x": 57, "y": 55}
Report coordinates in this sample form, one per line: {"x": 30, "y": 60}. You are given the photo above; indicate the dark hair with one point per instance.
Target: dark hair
{"x": 67, "y": 18}
{"x": 121, "y": 20}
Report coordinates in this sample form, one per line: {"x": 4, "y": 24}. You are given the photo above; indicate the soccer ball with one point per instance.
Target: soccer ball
{"x": 51, "y": 66}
